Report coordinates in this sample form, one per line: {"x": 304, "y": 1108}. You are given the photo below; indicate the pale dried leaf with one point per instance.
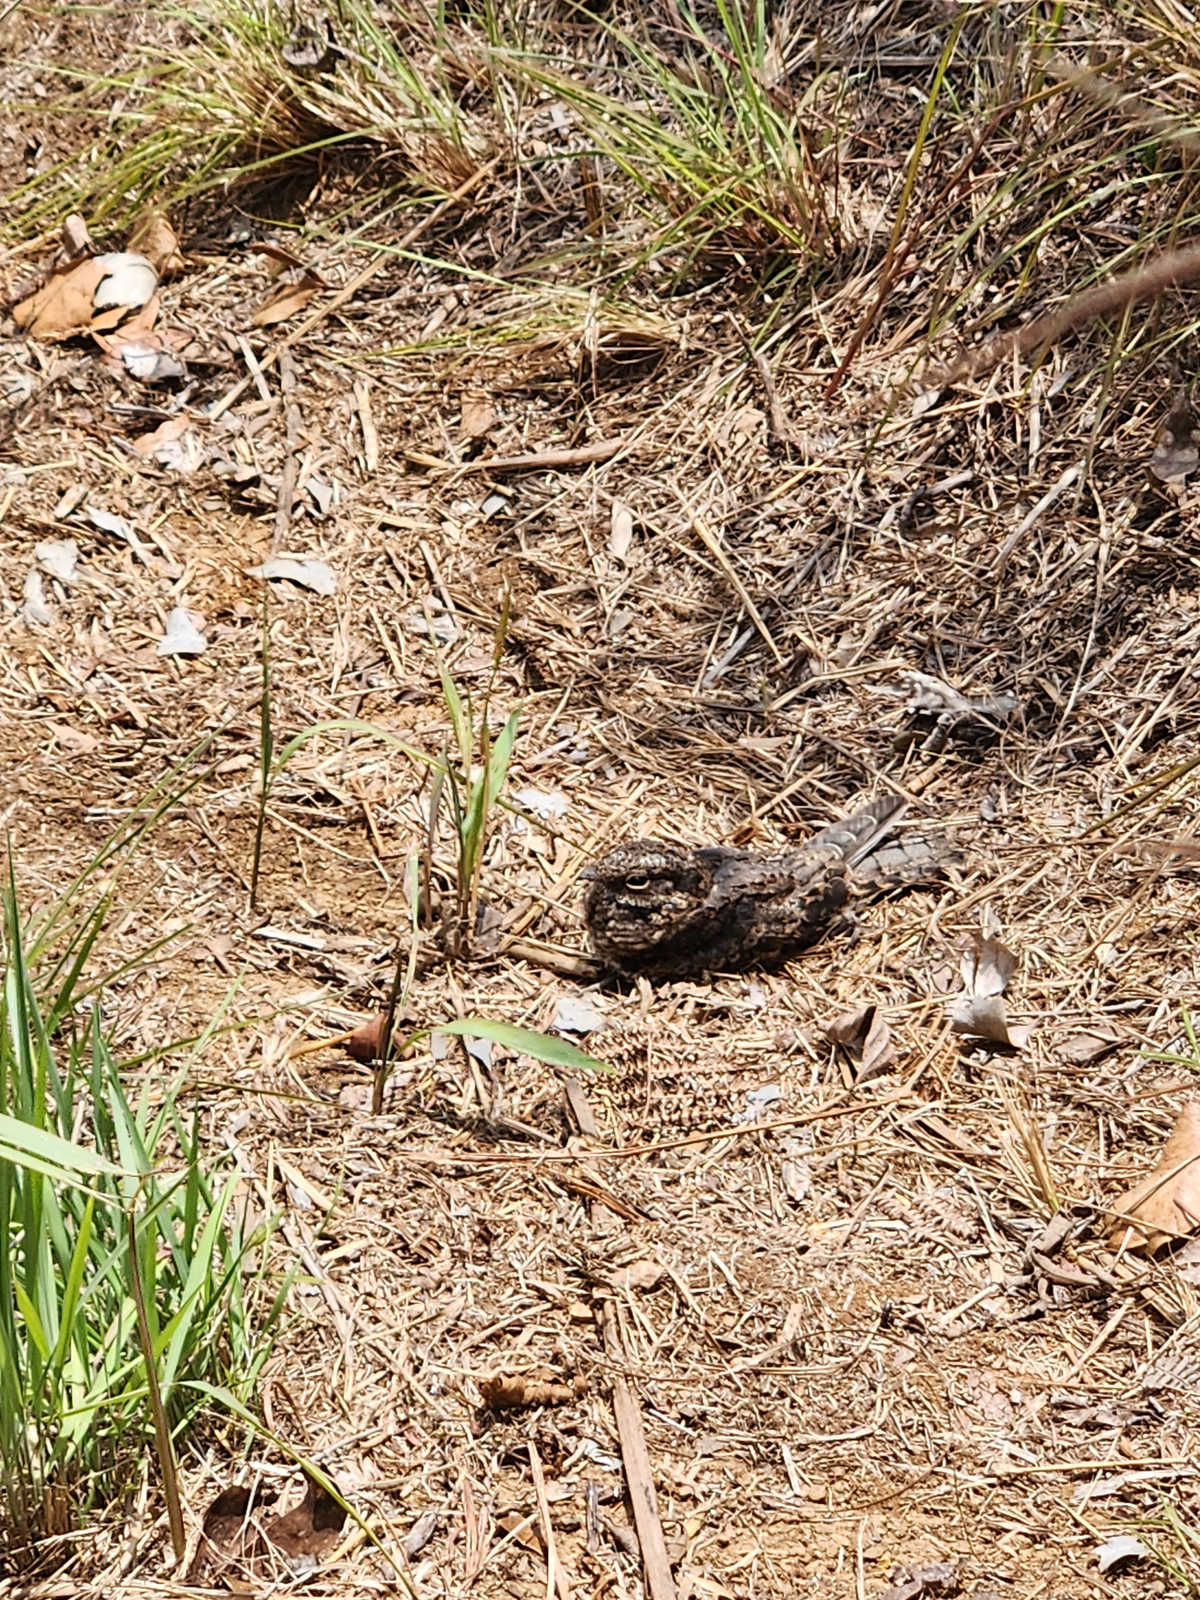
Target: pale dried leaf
{"x": 985, "y": 1016}
{"x": 421, "y": 1532}
{"x": 145, "y": 354}
{"x": 1166, "y": 1204}
{"x": 58, "y": 557}
{"x": 174, "y": 444}
{"x": 620, "y": 536}
{"x": 760, "y": 1102}
{"x": 1119, "y": 1549}
{"x": 544, "y": 803}
{"x": 76, "y": 240}
{"x": 35, "y": 610}
{"x": 987, "y": 967}
{"x": 315, "y": 575}
{"x": 324, "y": 495}
{"x": 121, "y": 528}
{"x": 925, "y": 401}
{"x": 638, "y": 1275}
{"x": 979, "y": 1011}
{"x": 1092, "y": 1043}
{"x": 110, "y": 522}
{"x": 578, "y": 1013}
{"x": 183, "y": 636}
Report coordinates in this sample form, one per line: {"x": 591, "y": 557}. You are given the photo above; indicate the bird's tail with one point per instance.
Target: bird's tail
{"x": 866, "y": 842}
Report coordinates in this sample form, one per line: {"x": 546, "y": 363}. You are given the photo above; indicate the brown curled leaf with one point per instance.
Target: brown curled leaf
{"x": 510, "y": 1391}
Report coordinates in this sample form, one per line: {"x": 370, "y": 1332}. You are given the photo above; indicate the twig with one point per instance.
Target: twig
{"x": 710, "y": 542}
{"x": 778, "y": 420}
{"x": 581, "y": 456}
{"x": 1166, "y": 271}
{"x": 556, "y": 1578}
{"x": 636, "y": 1458}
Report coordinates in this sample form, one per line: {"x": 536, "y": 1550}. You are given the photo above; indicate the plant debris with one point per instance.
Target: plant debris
{"x": 1165, "y": 1206}
{"x": 980, "y": 1012}
{"x": 866, "y": 1038}
{"x": 182, "y": 637}
{"x": 96, "y": 295}
{"x": 504, "y": 1391}
{"x": 307, "y": 574}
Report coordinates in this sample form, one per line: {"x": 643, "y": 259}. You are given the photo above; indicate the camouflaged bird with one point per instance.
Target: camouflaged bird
{"x": 668, "y": 911}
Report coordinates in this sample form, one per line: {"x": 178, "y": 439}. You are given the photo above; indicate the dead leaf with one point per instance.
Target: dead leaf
{"x": 64, "y": 305}
{"x": 153, "y": 235}
{"x": 174, "y": 444}
{"x": 639, "y": 1275}
{"x": 509, "y": 1391}
{"x": 478, "y": 417}
{"x": 285, "y": 301}
{"x": 120, "y": 527}
{"x": 1118, "y": 1550}
{"x": 620, "y": 536}
{"x": 324, "y": 495}
{"x": 1175, "y": 454}
{"x": 1165, "y": 1206}
{"x": 126, "y": 295}
{"x": 282, "y": 258}
{"x": 238, "y": 1544}
{"x": 35, "y": 610}
{"x": 228, "y": 1537}
{"x": 578, "y": 1013}
{"x": 980, "y": 1011}
{"x": 314, "y": 575}
{"x": 147, "y": 443}
{"x": 419, "y": 1535}
{"x": 58, "y": 557}
{"x": 145, "y": 354}
{"x": 183, "y": 636}
{"x": 521, "y": 1529}
{"x": 1092, "y": 1043}
{"x": 309, "y": 1529}
{"x": 866, "y": 1038}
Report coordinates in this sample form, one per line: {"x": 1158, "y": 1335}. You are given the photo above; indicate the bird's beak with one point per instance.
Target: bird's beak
{"x": 588, "y": 875}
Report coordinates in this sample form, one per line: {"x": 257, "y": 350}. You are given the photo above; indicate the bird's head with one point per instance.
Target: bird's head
{"x": 642, "y": 892}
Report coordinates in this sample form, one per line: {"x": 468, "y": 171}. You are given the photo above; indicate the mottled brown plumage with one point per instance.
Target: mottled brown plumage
{"x": 668, "y": 911}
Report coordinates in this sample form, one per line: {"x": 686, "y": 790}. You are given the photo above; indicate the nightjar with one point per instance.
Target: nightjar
{"x": 668, "y": 911}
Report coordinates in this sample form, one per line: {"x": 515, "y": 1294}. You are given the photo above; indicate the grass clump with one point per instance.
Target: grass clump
{"x": 134, "y": 1299}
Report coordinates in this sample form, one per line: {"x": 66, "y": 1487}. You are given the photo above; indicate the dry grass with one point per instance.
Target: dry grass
{"x": 868, "y": 1345}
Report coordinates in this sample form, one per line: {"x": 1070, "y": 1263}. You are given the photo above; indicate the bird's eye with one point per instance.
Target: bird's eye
{"x": 637, "y": 882}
